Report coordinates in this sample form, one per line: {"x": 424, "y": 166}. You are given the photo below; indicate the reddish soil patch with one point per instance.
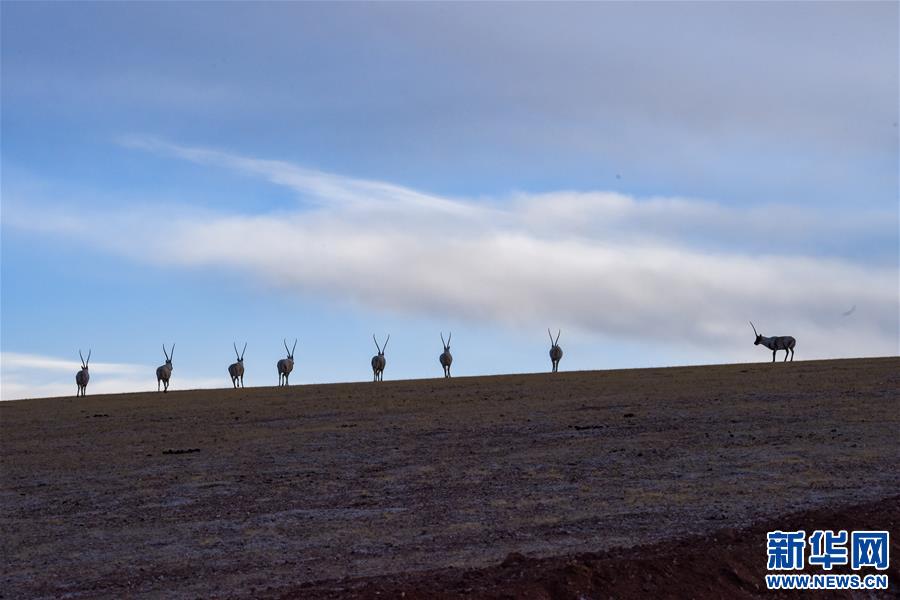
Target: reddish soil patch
{"x": 730, "y": 563}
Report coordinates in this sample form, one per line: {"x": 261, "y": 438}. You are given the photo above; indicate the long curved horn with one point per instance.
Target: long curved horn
{"x": 449, "y": 337}
{"x": 88, "y": 361}
{"x": 376, "y": 343}
{"x": 442, "y": 340}
{"x": 551, "y": 336}
{"x": 556, "y": 343}
{"x": 82, "y": 358}
{"x": 385, "y": 343}
{"x": 244, "y": 350}
{"x": 238, "y": 356}
{"x": 754, "y": 328}
{"x": 172, "y": 352}
{"x": 284, "y": 341}
{"x": 166, "y": 353}
{"x": 294, "y": 348}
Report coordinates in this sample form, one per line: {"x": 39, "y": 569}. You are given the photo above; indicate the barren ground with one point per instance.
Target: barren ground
{"x": 287, "y": 491}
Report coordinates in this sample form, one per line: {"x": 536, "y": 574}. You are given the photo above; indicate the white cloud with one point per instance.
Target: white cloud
{"x": 658, "y": 269}
{"x": 38, "y": 376}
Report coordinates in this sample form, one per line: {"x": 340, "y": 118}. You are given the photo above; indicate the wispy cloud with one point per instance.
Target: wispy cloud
{"x": 38, "y": 376}
{"x": 666, "y": 269}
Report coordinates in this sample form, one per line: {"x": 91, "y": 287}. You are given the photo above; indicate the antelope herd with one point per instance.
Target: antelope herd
{"x": 285, "y": 365}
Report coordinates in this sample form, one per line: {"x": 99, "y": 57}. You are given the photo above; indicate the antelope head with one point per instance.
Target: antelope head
{"x": 554, "y": 343}
{"x": 758, "y": 337}
{"x": 240, "y": 357}
{"x": 290, "y": 353}
{"x": 381, "y": 349}
{"x": 84, "y": 363}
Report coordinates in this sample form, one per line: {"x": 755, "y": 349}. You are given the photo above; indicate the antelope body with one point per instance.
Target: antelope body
{"x": 236, "y": 370}
{"x": 446, "y": 358}
{"x": 286, "y": 365}
{"x": 556, "y": 352}
{"x": 776, "y": 343}
{"x": 378, "y": 361}
{"x": 164, "y": 373}
{"x": 82, "y": 377}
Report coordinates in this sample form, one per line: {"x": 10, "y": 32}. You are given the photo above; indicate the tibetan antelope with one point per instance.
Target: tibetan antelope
{"x": 286, "y": 365}
{"x": 236, "y": 370}
{"x": 164, "y": 373}
{"x": 446, "y": 358}
{"x": 779, "y": 342}
{"x": 82, "y": 377}
{"x": 378, "y": 361}
{"x": 555, "y": 351}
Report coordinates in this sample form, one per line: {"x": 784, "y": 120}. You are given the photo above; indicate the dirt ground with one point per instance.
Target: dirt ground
{"x": 727, "y": 563}
{"x": 288, "y": 491}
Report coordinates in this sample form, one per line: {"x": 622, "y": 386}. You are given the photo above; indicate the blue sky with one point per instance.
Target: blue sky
{"x": 646, "y": 177}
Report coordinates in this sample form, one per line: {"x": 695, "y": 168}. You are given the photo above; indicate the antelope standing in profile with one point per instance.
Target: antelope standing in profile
{"x": 236, "y": 370}
{"x": 555, "y": 351}
{"x": 286, "y": 365}
{"x": 82, "y": 377}
{"x": 164, "y": 373}
{"x": 446, "y": 358}
{"x": 779, "y": 342}
{"x": 378, "y": 361}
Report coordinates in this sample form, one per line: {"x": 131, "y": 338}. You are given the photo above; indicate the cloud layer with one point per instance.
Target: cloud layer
{"x": 38, "y": 376}
{"x": 671, "y": 270}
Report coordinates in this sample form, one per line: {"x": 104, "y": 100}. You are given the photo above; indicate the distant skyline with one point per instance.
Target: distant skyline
{"x": 646, "y": 177}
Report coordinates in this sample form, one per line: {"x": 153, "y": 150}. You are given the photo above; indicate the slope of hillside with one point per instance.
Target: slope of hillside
{"x": 233, "y": 492}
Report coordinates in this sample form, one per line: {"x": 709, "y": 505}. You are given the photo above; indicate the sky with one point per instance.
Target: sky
{"x": 645, "y": 177}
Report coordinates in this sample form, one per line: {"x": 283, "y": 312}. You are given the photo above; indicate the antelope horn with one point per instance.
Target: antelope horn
{"x": 88, "y": 361}
{"x": 551, "y": 335}
{"x": 376, "y": 343}
{"x": 294, "y": 348}
{"x": 442, "y": 340}
{"x": 754, "y": 328}
{"x": 244, "y": 350}
{"x": 385, "y": 342}
{"x": 235, "y": 351}
{"x": 558, "y": 333}
{"x": 82, "y": 358}
{"x": 285, "y": 346}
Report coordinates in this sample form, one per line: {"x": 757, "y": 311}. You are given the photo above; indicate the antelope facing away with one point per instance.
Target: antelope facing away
{"x": 82, "y": 377}
{"x": 446, "y": 358}
{"x": 779, "y": 342}
{"x": 285, "y": 365}
{"x": 236, "y": 370}
{"x": 378, "y": 361}
{"x": 555, "y": 351}
{"x": 164, "y": 373}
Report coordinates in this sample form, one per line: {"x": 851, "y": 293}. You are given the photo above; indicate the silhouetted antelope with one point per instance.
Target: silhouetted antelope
{"x": 378, "y": 361}
{"x": 779, "y": 342}
{"x": 286, "y": 365}
{"x": 236, "y": 370}
{"x": 446, "y": 358}
{"x": 82, "y": 377}
{"x": 164, "y": 373}
{"x": 556, "y": 352}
